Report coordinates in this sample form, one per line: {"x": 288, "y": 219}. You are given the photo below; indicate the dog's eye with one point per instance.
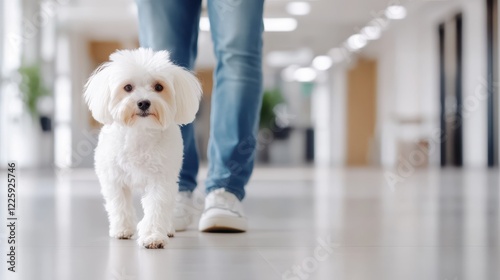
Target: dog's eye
{"x": 158, "y": 87}
{"x": 128, "y": 88}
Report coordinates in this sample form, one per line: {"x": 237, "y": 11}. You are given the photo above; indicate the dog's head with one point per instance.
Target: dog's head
{"x": 142, "y": 87}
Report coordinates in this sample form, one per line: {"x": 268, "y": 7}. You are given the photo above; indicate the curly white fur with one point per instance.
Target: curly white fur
{"x": 141, "y": 149}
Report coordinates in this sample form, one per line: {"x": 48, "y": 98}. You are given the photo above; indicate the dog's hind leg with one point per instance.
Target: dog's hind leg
{"x": 121, "y": 212}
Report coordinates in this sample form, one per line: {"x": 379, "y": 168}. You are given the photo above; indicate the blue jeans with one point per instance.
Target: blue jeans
{"x": 236, "y": 27}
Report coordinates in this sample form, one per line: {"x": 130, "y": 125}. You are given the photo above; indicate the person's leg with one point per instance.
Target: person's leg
{"x": 236, "y": 28}
{"x": 172, "y": 25}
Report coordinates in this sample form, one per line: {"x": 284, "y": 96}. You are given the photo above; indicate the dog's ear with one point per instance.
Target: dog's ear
{"x": 187, "y": 91}
{"x": 97, "y": 94}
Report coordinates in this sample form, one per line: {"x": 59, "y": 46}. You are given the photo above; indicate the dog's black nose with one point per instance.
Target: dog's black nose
{"x": 143, "y": 104}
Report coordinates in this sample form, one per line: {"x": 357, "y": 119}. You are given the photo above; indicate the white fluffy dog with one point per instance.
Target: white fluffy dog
{"x": 141, "y": 97}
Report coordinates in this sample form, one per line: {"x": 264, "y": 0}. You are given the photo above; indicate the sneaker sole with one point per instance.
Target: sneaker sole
{"x": 226, "y": 224}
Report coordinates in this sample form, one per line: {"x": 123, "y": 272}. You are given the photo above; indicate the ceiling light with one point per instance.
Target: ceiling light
{"x": 280, "y": 24}
{"x": 306, "y": 74}
{"x": 270, "y": 24}
{"x": 395, "y": 12}
{"x": 356, "y": 42}
{"x": 380, "y": 22}
{"x": 284, "y": 58}
{"x": 371, "y": 32}
{"x": 298, "y": 8}
{"x": 322, "y": 62}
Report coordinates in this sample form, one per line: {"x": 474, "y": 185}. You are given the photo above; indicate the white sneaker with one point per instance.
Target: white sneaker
{"x": 183, "y": 211}
{"x": 223, "y": 212}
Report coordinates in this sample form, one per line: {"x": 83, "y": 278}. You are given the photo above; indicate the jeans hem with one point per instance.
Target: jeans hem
{"x": 186, "y": 188}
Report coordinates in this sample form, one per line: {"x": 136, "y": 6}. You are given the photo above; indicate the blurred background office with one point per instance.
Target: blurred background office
{"x": 378, "y": 127}
{"x": 347, "y": 83}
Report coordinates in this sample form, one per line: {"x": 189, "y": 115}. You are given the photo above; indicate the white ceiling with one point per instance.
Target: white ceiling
{"x": 329, "y": 23}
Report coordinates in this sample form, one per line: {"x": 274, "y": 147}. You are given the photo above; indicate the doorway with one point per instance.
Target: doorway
{"x": 361, "y": 111}
{"x": 450, "y": 69}
{"x": 492, "y": 75}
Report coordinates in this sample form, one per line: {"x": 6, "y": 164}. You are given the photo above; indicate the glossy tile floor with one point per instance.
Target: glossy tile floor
{"x": 305, "y": 223}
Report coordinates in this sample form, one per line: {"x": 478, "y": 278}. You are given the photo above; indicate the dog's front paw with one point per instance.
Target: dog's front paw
{"x": 121, "y": 232}
{"x": 153, "y": 241}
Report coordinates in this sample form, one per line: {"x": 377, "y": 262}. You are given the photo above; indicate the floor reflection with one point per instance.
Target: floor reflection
{"x": 437, "y": 224}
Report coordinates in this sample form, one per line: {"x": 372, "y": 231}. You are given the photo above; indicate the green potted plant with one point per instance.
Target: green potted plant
{"x": 32, "y": 89}
{"x": 270, "y": 99}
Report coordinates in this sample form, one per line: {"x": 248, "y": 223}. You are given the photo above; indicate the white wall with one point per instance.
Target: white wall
{"x": 475, "y": 132}
{"x": 83, "y": 139}
{"x": 338, "y": 119}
